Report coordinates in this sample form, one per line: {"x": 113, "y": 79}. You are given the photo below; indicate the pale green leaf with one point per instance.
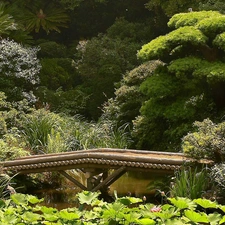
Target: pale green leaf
{"x": 196, "y": 217}
{"x": 146, "y": 221}
{"x": 64, "y": 214}
{"x": 205, "y": 203}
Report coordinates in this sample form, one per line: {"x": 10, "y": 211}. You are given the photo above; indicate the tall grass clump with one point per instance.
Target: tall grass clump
{"x": 5, "y": 186}
{"x": 55, "y": 142}
{"x": 189, "y": 182}
{"x": 47, "y": 132}
{"x": 101, "y": 134}
{"x": 38, "y": 128}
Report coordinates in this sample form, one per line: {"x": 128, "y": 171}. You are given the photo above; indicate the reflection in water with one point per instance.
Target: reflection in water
{"x": 130, "y": 184}
{"x": 59, "y": 198}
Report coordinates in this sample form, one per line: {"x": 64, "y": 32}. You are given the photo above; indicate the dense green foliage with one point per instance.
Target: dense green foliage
{"x": 217, "y": 5}
{"x": 128, "y": 97}
{"x": 40, "y": 14}
{"x": 207, "y": 142}
{"x": 172, "y": 7}
{"x": 7, "y": 23}
{"x": 49, "y": 132}
{"x": 58, "y": 26}
{"x": 104, "y": 59}
{"x": 25, "y": 130}
{"x": 82, "y": 65}
{"x": 189, "y": 86}
{"x": 25, "y": 209}
{"x": 61, "y": 58}
{"x": 19, "y": 70}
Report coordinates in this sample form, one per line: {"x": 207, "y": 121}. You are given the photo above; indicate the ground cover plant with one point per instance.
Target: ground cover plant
{"x": 23, "y": 209}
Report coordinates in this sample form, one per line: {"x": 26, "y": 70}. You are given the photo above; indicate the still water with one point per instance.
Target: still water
{"x": 136, "y": 184}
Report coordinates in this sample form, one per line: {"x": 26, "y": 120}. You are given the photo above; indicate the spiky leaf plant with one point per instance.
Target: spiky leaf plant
{"x": 42, "y": 15}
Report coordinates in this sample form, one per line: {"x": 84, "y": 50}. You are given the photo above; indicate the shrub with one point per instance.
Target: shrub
{"x": 190, "y": 85}
{"x": 19, "y": 68}
{"x": 71, "y": 102}
{"x": 51, "y": 49}
{"x": 56, "y": 73}
{"x": 207, "y": 142}
{"x": 218, "y": 175}
{"x": 125, "y": 106}
{"x": 11, "y": 149}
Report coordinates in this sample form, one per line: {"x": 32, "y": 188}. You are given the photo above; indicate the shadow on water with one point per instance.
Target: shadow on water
{"x": 135, "y": 184}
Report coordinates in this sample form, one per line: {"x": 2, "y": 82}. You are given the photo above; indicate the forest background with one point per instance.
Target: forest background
{"x": 64, "y": 58}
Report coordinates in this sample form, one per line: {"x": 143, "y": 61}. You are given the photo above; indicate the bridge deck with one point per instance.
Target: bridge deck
{"x": 96, "y": 164}
{"x": 98, "y": 158}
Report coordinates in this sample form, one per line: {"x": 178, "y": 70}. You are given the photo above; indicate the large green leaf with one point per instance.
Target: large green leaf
{"x": 31, "y": 217}
{"x": 87, "y": 197}
{"x": 222, "y": 207}
{"x": 175, "y": 222}
{"x": 50, "y": 217}
{"x": 19, "y": 199}
{"x": 113, "y": 210}
{"x": 33, "y": 199}
{"x": 131, "y": 218}
{"x": 205, "y": 203}
{"x": 182, "y": 203}
{"x": 48, "y": 210}
{"x": 146, "y": 221}
{"x": 167, "y": 214}
{"x": 90, "y": 215}
{"x": 129, "y": 200}
{"x": 11, "y": 210}
{"x": 196, "y": 217}
{"x": 222, "y": 221}
{"x": 214, "y": 218}
{"x": 51, "y": 223}
{"x": 2, "y": 203}
{"x": 64, "y": 214}
{"x": 9, "y": 219}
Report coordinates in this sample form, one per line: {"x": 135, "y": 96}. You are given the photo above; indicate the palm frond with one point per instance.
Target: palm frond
{"x": 43, "y": 16}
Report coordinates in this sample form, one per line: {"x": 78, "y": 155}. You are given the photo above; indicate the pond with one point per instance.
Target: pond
{"x": 136, "y": 184}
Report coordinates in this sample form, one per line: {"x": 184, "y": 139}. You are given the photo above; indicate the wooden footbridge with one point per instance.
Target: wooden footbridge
{"x": 101, "y": 166}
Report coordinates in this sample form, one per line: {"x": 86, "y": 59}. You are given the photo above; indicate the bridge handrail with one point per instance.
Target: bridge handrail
{"x": 104, "y": 153}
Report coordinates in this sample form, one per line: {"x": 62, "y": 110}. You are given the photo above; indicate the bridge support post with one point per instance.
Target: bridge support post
{"x": 97, "y": 180}
{"x": 110, "y": 179}
{"x": 94, "y": 177}
{"x": 65, "y": 174}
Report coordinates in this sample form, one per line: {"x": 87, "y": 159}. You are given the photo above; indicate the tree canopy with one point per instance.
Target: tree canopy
{"x": 85, "y": 58}
{"x": 190, "y": 86}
